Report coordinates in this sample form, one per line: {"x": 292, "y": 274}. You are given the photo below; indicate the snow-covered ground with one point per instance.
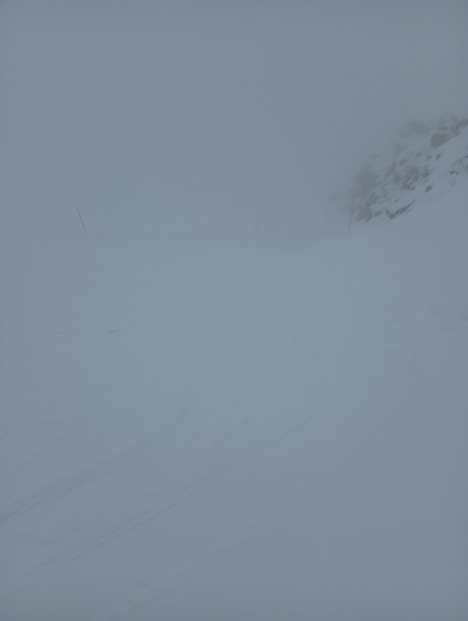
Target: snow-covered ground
{"x": 426, "y": 159}
{"x": 264, "y": 432}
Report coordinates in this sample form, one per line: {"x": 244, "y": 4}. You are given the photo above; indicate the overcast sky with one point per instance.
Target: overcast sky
{"x": 211, "y": 117}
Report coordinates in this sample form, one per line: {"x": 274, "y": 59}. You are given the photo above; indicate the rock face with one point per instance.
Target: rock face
{"x": 426, "y": 157}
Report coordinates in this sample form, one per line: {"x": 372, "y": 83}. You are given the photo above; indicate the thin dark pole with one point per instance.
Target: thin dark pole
{"x": 350, "y": 221}
{"x": 83, "y": 224}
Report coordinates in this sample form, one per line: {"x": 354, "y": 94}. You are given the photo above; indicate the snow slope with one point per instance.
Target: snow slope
{"x": 427, "y": 158}
{"x": 244, "y": 432}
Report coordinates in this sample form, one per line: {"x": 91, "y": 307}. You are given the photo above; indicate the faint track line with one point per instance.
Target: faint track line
{"x": 202, "y": 485}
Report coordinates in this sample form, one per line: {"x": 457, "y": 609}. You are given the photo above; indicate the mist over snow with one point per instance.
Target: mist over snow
{"x": 219, "y": 400}
{"x": 211, "y": 119}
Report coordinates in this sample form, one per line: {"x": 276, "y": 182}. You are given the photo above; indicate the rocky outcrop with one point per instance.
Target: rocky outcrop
{"x": 426, "y": 156}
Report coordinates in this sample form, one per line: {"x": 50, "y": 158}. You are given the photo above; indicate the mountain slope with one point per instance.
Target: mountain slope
{"x": 251, "y": 432}
{"x": 428, "y": 158}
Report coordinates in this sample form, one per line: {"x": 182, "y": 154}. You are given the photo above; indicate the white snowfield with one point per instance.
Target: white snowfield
{"x": 237, "y": 433}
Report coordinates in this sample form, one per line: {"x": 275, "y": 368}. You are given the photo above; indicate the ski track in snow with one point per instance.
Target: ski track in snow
{"x": 318, "y": 374}
{"x": 52, "y": 491}
{"x": 64, "y": 487}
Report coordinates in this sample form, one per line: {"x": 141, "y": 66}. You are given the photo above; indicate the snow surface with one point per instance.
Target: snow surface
{"x": 427, "y": 158}
{"x": 207, "y": 432}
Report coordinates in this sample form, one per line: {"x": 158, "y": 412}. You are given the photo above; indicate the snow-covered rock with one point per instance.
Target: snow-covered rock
{"x": 427, "y": 157}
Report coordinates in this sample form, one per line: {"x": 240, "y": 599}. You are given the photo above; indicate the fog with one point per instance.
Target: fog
{"x": 218, "y": 431}
{"x": 212, "y": 118}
